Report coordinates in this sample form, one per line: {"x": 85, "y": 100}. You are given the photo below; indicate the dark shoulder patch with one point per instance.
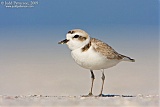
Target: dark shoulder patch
{"x": 86, "y": 47}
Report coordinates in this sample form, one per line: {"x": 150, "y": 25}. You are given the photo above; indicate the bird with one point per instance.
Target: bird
{"x": 93, "y": 54}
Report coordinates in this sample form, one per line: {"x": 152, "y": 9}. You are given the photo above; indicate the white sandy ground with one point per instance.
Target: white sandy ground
{"x": 78, "y": 101}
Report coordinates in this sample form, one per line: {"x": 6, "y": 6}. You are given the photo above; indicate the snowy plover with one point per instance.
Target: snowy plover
{"x": 92, "y": 54}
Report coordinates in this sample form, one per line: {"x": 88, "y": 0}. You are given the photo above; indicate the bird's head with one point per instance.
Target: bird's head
{"x": 75, "y": 39}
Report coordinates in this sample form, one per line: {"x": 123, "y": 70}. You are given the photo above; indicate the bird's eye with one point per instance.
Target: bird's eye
{"x": 76, "y": 36}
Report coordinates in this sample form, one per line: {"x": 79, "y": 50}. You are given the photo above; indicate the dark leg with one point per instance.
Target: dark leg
{"x": 103, "y": 78}
{"x": 92, "y": 77}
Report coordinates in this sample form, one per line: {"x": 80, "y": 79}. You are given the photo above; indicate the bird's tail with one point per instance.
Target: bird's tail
{"x": 126, "y": 58}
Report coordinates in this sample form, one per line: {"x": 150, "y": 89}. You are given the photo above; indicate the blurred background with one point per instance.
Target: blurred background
{"x": 31, "y": 61}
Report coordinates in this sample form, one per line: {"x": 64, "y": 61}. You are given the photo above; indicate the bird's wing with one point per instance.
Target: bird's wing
{"x": 105, "y": 49}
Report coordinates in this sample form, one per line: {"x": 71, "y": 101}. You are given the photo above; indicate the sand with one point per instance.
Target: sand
{"x": 79, "y": 101}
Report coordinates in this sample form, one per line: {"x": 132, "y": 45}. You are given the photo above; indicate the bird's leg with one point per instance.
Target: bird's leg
{"x": 103, "y": 78}
{"x": 92, "y": 77}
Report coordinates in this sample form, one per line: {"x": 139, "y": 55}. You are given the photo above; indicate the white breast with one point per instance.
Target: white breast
{"x": 91, "y": 59}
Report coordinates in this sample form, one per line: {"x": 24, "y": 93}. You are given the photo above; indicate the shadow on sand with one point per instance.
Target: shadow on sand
{"x": 112, "y": 95}
{"x": 107, "y": 95}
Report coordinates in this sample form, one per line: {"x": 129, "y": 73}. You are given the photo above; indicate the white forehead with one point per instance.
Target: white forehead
{"x": 74, "y": 32}
{"x": 69, "y": 35}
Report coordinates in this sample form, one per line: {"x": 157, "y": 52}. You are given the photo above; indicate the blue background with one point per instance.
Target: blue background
{"x": 82, "y": 13}
{"x": 31, "y": 58}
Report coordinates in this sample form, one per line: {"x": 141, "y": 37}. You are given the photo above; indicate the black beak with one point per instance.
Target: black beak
{"x": 63, "y": 41}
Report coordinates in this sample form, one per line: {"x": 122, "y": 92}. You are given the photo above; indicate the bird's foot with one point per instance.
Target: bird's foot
{"x": 89, "y": 95}
{"x": 100, "y": 95}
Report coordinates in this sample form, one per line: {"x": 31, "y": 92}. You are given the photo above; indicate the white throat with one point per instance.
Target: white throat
{"x": 74, "y": 44}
